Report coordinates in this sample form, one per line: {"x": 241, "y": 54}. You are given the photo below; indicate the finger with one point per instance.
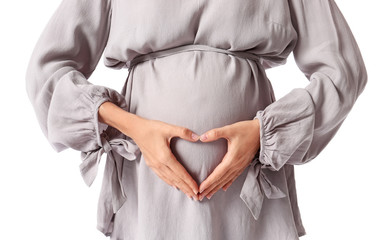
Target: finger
{"x": 181, "y": 172}
{"x": 181, "y": 184}
{"x": 217, "y": 185}
{"x": 217, "y": 182}
{"x": 213, "y": 134}
{"x": 230, "y": 174}
{"x": 163, "y": 175}
{"x": 213, "y": 191}
{"x": 231, "y": 178}
{"x": 227, "y": 185}
{"x": 166, "y": 174}
{"x": 186, "y": 134}
{"x": 217, "y": 173}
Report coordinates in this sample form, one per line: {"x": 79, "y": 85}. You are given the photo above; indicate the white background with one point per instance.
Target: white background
{"x": 343, "y": 194}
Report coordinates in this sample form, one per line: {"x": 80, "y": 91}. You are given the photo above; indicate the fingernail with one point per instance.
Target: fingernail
{"x": 195, "y": 191}
{"x": 203, "y": 137}
{"x": 201, "y": 197}
{"x": 209, "y": 196}
{"x": 188, "y": 196}
{"x": 202, "y": 190}
{"x": 194, "y": 136}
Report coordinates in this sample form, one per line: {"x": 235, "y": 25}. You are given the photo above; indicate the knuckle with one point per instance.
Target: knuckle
{"x": 172, "y": 183}
{"x": 170, "y": 160}
{"x": 184, "y": 131}
{"x": 177, "y": 183}
{"x": 164, "y": 179}
{"x": 159, "y": 167}
{"x": 214, "y": 133}
{"x": 151, "y": 164}
{"x": 148, "y": 164}
{"x": 185, "y": 187}
{"x": 184, "y": 177}
{"x": 219, "y": 132}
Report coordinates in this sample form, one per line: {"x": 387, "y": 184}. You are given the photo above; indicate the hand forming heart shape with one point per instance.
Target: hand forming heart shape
{"x": 153, "y": 138}
{"x": 243, "y": 143}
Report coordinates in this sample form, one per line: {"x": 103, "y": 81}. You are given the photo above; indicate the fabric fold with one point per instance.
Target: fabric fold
{"x": 256, "y": 186}
{"x": 90, "y": 163}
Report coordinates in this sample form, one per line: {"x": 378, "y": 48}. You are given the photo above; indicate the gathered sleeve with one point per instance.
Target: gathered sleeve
{"x": 298, "y": 126}
{"x": 66, "y": 104}
{"x": 65, "y": 55}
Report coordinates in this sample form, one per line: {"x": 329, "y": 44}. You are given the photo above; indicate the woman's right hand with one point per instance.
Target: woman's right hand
{"x": 153, "y": 137}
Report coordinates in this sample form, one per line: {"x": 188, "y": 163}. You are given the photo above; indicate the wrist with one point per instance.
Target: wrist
{"x": 111, "y": 114}
{"x": 129, "y": 124}
{"x": 126, "y": 122}
{"x": 256, "y": 124}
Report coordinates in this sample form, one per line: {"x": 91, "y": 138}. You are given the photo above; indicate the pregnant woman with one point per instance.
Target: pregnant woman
{"x": 195, "y": 69}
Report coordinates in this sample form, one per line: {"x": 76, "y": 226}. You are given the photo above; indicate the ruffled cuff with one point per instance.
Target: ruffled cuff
{"x": 108, "y": 95}
{"x": 286, "y": 129}
{"x": 72, "y": 117}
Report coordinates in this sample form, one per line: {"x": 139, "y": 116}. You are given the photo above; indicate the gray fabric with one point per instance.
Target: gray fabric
{"x": 198, "y": 89}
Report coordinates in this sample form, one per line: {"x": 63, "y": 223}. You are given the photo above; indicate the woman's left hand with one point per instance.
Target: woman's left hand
{"x": 243, "y": 144}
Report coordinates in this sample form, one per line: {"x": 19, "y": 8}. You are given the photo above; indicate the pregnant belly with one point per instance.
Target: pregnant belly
{"x": 198, "y": 90}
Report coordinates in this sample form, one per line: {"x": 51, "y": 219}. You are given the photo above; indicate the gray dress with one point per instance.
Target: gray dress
{"x": 198, "y": 64}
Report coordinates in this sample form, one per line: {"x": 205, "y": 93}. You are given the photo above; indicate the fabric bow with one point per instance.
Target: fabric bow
{"x": 90, "y": 164}
{"x": 255, "y": 186}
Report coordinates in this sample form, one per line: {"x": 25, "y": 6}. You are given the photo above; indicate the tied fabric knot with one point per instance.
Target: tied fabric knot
{"x": 256, "y": 186}
{"x": 90, "y": 164}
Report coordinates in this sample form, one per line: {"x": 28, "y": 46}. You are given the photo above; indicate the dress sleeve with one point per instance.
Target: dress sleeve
{"x": 297, "y": 127}
{"x": 64, "y": 57}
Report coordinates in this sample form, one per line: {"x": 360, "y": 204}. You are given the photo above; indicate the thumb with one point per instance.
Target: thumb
{"x": 186, "y": 134}
{"x": 213, "y": 134}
